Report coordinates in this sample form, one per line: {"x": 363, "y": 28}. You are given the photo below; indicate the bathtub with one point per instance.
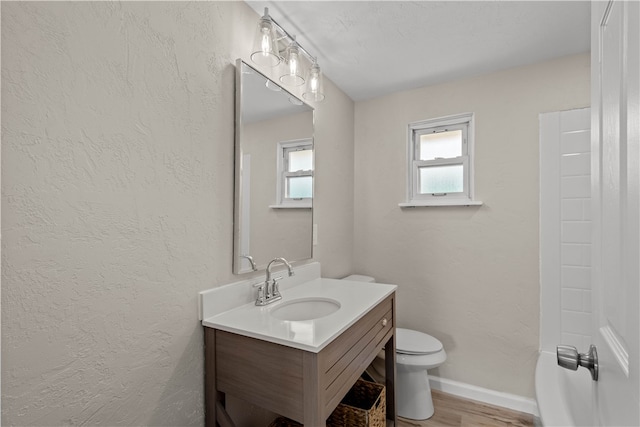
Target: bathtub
{"x": 563, "y": 396}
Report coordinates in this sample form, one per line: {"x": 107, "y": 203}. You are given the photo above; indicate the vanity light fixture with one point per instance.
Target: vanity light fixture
{"x": 314, "y": 90}
{"x": 273, "y": 46}
{"x": 292, "y": 74}
{"x": 265, "y": 46}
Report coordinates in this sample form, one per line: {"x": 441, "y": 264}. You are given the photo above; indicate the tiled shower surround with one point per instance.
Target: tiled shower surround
{"x": 566, "y": 159}
{"x": 575, "y": 219}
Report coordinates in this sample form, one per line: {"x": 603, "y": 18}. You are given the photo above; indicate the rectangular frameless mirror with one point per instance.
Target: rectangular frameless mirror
{"x": 274, "y": 163}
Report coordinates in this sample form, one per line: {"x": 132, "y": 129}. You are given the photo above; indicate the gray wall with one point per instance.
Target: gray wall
{"x": 466, "y": 275}
{"x": 117, "y": 191}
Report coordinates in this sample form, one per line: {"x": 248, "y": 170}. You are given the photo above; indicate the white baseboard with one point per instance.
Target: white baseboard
{"x": 492, "y": 397}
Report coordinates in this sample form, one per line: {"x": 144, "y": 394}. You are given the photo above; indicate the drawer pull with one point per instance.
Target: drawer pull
{"x": 384, "y": 322}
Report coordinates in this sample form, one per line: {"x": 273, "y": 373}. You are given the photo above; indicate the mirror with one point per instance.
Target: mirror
{"x": 273, "y": 210}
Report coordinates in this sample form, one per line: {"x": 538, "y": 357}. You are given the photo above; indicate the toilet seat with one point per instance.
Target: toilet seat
{"x": 417, "y": 343}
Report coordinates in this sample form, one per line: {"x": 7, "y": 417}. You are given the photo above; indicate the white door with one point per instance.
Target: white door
{"x": 615, "y": 53}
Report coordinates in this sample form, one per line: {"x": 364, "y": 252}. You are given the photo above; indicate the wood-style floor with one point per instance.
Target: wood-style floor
{"x": 452, "y": 411}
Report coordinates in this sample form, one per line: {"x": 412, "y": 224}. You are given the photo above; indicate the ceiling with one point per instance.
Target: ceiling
{"x": 373, "y": 48}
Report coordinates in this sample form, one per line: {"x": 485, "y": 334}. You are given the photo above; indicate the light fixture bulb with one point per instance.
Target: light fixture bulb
{"x": 265, "y": 51}
{"x": 293, "y": 75}
{"x": 314, "y": 90}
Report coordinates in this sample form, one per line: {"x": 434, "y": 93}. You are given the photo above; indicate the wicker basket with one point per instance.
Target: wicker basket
{"x": 284, "y": 422}
{"x": 363, "y": 406}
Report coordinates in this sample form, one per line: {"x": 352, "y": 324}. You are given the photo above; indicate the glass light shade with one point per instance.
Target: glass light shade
{"x": 265, "y": 50}
{"x": 272, "y": 86}
{"x": 295, "y": 101}
{"x": 293, "y": 74}
{"x": 314, "y": 90}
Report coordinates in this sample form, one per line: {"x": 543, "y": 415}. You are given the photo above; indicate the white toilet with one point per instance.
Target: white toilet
{"x": 416, "y": 352}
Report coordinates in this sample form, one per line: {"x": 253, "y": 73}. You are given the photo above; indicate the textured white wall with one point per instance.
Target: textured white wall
{"x": 467, "y": 275}
{"x": 117, "y": 187}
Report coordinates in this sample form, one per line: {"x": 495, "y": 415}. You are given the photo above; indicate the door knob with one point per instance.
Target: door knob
{"x": 569, "y": 358}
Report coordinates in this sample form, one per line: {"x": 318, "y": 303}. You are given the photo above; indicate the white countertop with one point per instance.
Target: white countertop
{"x": 355, "y": 298}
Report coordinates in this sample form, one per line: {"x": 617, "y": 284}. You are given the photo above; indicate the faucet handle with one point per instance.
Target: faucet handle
{"x": 261, "y": 294}
{"x": 275, "y": 290}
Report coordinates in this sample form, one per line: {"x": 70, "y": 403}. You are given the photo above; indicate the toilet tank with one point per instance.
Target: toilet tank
{"x": 360, "y": 278}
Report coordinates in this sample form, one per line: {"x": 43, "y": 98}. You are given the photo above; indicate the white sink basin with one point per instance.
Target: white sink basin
{"x": 305, "y": 309}
{"x": 328, "y": 307}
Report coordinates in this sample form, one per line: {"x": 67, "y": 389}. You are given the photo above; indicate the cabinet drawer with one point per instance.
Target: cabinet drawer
{"x": 349, "y": 339}
{"x": 353, "y": 351}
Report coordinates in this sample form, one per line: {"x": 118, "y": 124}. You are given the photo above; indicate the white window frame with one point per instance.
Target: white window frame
{"x": 464, "y": 122}
{"x": 283, "y": 148}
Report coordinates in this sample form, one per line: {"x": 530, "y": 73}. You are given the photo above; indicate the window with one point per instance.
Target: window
{"x": 295, "y": 174}
{"x": 440, "y": 162}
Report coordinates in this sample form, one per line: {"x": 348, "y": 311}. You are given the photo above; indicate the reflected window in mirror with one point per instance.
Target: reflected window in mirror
{"x": 295, "y": 174}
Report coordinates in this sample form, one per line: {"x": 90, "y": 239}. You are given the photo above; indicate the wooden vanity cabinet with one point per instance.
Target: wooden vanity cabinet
{"x": 301, "y": 385}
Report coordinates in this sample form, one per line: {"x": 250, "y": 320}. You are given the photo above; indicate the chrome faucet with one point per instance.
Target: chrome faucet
{"x": 268, "y": 291}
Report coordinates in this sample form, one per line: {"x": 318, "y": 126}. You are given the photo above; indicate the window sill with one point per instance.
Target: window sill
{"x": 450, "y": 202}
{"x": 292, "y": 206}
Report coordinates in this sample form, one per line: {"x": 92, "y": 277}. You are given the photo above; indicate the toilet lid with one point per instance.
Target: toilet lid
{"x": 414, "y": 342}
